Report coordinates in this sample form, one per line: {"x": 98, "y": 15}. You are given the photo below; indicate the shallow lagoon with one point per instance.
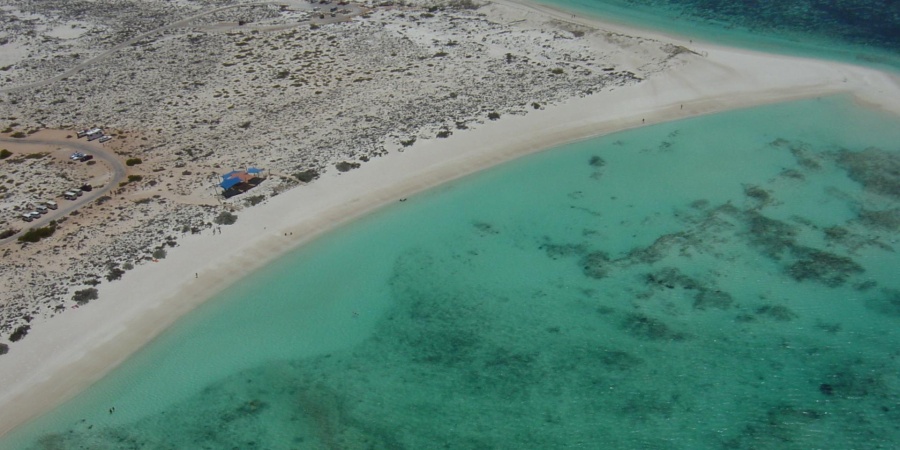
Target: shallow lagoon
{"x": 721, "y": 282}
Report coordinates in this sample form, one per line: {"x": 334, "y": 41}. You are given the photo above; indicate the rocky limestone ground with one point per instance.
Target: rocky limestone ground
{"x": 195, "y": 89}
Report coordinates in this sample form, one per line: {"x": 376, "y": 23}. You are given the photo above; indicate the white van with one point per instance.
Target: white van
{"x": 51, "y": 204}
{"x": 70, "y": 195}
{"x": 96, "y": 133}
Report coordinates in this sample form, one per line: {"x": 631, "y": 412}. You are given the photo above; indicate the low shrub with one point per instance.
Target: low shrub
{"x": 133, "y": 161}
{"x": 84, "y": 296}
{"x": 225, "y": 218}
{"x": 114, "y": 274}
{"x": 4, "y": 153}
{"x": 307, "y": 175}
{"x": 255, "y": 200}
{"x": 19, "y": 333}
{"x": 345, "y": 166}
{"x": 37, "y": 234}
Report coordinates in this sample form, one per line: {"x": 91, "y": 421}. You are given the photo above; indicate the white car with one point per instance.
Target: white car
{"x": 75, "y": 156}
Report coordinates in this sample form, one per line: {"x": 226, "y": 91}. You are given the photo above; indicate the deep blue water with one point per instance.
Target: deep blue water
{"x": 860, "y": 31}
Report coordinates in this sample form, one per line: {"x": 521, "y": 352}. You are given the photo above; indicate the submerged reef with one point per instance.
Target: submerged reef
{"x": 827, "y": 268}
{"x": 887, "y": 302}
{"x": 875, "y": 169}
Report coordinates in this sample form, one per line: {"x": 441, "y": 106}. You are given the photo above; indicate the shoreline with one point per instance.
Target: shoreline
{"x": 67, "y": 354}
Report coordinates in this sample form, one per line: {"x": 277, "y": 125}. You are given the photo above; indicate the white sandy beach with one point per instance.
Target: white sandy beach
{"x": 65, "y": 355}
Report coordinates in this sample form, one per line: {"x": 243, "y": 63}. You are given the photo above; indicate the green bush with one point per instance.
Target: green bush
{"x": 494, "y": 116}
{"x": 345, "y": 166}
{"x": 7, "y": 233}
{"x": 37, "y": 234}
{"x": 132, "y": 161}
{"x": 255, "y": 200}
{"x": 307, "y": 175}
{"x": 18, "y": 134}
{"x": 20, "y": 333}
{"x": 4, "y": 349}
{"x": 5, "y": 154}
{"x": 83, "y": 296}
{"x": 134, "y": 178}
{"x": 225, "y": 218}
{"x": 114, "y": 274}
{"x": 159, "y": 253}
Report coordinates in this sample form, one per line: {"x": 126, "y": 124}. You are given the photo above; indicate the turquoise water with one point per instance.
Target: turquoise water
{"x": 863, "y": 32}
{"x": 720, "y": 282}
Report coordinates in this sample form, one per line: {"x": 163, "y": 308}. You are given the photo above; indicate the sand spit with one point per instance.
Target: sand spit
{"x": 415, "y": 96}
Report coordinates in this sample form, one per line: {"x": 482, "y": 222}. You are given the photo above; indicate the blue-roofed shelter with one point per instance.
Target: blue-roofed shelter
{"x": 240, "y": 181}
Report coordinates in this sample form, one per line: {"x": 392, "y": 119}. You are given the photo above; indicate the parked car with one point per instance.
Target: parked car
{"x": 70, "y": 195}
{"x": 42, "y": 209}
{"x": 86, "y": 188}
{"x": 86, "y": 158}
{"x": 27, "y": 217}
{"x": 82, "y": 133}
{"x": 104, "y": 139}
{"x": 76, "y": 156}
{"x": 51, "y": 204}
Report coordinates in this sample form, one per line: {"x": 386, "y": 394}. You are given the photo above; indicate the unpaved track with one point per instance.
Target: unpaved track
{"x": 67, "y": 206}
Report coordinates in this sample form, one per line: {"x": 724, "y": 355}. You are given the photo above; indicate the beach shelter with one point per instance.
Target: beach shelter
{"x": 254, "y": 171}
{"x": 228, "y": 183}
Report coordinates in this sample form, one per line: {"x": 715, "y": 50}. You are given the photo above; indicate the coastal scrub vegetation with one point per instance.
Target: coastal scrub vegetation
{"x": 18, "y": 134}
{"x": 345, "y": 166}
{"x": 84, "y": 296}
{"x": 159, "y": 253}
{"x": 307, "y": 175}
{"x": 255, "y": 200}
{"x": 4, "y": 349}
{"x": 35, "y": 235}
{"x": 493, "y": 115}
{"x": 19, "y": 333}
{"x": 133, "y": 161}
{"x": 225, "y": 218}
{"x": 4, "y": 153}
